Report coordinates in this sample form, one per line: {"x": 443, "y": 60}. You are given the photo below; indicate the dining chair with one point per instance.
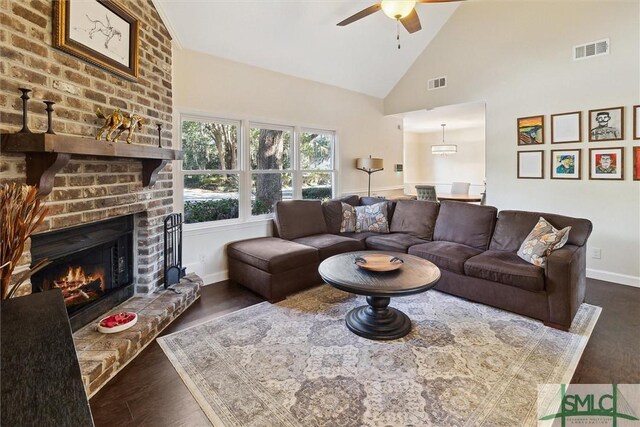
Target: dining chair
{"x": 460, "y": 188}
{"x": 427, "y": 192}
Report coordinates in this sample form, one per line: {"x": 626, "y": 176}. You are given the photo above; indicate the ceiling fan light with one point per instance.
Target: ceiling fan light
{"x": 397, "y": 9}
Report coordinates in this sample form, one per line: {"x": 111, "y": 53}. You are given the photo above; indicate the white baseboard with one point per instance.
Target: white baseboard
{"x": 215, "y": 277}
{"x": 607, "y": 276}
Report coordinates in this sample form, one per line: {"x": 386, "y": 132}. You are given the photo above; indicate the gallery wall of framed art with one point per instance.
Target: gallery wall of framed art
{"x": 602, "y": 126}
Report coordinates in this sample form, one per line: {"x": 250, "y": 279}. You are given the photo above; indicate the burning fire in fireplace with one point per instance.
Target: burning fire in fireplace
{"x": 79, "y": 287}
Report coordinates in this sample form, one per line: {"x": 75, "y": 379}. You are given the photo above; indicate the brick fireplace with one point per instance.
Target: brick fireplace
{"x": 90, "y": 189}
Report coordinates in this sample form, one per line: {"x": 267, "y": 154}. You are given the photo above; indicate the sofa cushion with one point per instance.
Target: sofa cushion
{"x": 416, "y": 217}
{"x": 464, "y": 223}
{"x": 391, "y": 205}
{"x": 353, "y": 200}
{"x": 448, "y": 255}
{"x": 507, "y": 268}
{"x": 272, "y": 254}
{"x": 332, "y": 210}
{"x": 396, "y": 242}
{"x": 513, "y": 227}
{"x": 330, "y": 244}
{"x": 360, "y": 237}
{"x": 372, "y": 218}
{"x": 288, "y": 215}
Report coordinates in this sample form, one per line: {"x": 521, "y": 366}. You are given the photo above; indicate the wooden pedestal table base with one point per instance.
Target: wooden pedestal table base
{"x": 377, "y": 321}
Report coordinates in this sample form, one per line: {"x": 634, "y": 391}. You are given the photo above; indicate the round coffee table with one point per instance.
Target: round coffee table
{"x": 377, "y": 320}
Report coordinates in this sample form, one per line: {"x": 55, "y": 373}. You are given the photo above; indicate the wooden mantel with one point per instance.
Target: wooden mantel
{"x": 47, "y": 153}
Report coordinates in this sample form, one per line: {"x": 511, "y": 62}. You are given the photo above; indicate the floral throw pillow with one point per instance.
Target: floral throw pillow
{"x": 372, "y": 218}
{"x": 348, "y": 223}
{"x": 543, "y": 239}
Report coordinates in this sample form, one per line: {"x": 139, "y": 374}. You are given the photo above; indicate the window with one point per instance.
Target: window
{"x": 316, "y": 164}
{"x": 210, "y": 170}
{"x": 236, "y": 170}
{"x": 271, "y": 171}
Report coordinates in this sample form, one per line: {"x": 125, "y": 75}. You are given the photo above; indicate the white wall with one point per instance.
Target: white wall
{"x": 517, "y": 57}
{"x": 208, "y": 85}
{"x": 467, "y": 165}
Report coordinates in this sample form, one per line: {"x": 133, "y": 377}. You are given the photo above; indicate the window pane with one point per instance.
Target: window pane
{"x": 316, "y": 151}
{"x": 209, "y": 145}
{"x": 268, "y": 188}
{"x": 270, "y": 149}
{"x": 210, "y": 197}
{"x": 316, "y": 185}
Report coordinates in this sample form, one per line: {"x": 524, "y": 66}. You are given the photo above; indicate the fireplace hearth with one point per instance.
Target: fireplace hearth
{"x": 92, "y": 264}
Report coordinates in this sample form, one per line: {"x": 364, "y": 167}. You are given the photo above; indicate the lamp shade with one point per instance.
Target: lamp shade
{"x": 369, "y": 163}
{"x": 444, "y": 149}
{"x": 397, "y": 9}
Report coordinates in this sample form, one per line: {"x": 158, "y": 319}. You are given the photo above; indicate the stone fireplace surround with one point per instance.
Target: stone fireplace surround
{"x": 90, "y": 189}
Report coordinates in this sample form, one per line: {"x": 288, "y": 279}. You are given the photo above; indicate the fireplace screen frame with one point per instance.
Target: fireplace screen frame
{"x": 112, "y": 239}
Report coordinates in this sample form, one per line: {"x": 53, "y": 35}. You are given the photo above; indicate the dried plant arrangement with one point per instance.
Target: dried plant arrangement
{"x": 21, "y": 212}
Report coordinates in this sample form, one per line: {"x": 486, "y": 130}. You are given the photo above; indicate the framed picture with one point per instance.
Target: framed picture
{"x": 565, "y": 164}
{"x": 606, "y": 124}
{"x": 636, "y": 122}
{"x": 531, "y": 164}
{"x": 100, "y": 32}
{"x": 636, "y": 163}
{"x": 531, "y": 130}
{"x": 566, "y": 127}
{"x": 606, "y": 163}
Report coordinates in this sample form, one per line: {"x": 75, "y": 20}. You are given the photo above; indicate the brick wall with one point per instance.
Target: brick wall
{"x": 90, "y": 189}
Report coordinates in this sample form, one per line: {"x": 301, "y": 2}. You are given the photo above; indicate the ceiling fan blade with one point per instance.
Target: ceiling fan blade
{"x": 411, "y": 22}
{"x": 366, "y": 12}
{"x": 436, "y": 1}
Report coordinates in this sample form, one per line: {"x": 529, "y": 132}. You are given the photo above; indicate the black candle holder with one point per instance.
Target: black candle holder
{"x": 49, "y": 110}
{"x": 159, "y": 126}
{"x": 25, "y": 98}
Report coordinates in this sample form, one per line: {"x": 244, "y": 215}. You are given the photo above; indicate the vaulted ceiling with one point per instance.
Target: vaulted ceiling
{"x": 300, "y": 38}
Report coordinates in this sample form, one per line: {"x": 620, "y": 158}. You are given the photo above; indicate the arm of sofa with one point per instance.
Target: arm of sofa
{"x": 565, "y": 282}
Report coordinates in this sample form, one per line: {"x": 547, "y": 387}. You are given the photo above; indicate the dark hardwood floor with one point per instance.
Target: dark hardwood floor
{"x": 149, "y": 392}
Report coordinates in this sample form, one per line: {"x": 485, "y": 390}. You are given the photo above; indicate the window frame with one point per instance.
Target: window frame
{"x": 243, "y": 166}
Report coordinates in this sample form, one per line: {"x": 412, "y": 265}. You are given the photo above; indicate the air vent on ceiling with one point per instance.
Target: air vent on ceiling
{"x": 438, "y": 83}
{"x": 589, "y": 50}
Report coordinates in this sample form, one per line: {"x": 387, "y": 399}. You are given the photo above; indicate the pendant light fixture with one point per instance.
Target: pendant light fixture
{"x": 444, "y": 149}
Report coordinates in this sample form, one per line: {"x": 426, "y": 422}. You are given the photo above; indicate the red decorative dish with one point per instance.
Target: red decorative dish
{"x": 117, "y": 322}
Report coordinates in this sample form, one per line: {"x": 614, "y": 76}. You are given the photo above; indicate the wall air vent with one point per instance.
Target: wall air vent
{"x": 438, "y": 83}
{"x": 589, "y": 50}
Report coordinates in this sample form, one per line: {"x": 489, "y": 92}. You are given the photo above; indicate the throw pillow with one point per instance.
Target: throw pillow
{"x": 348, "y": 223}
{"x": 541, "y": 241}
{"x": 372, "y": 218}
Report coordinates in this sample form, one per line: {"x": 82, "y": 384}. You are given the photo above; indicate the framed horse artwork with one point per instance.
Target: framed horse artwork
{"x": 100, "y": 32}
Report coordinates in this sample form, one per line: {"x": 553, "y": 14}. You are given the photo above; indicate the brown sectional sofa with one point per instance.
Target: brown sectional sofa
{"x": 474, "y": 247}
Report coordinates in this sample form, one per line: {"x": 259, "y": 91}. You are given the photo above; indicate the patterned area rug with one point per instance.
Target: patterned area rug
{"x": 295, "y": 363}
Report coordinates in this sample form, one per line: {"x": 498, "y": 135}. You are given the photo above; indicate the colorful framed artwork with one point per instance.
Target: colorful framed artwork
{"x": 636, "y": 163}
{"x": 565, "y": 164}
{"x": 100, "y": 32}
{"x": 531, "y": 164}
{"x": 636, "y": 122}
{"x": 606, "y": 124}
{"x": 606, "y": 163}
{"x": 566, "y": 127}
{"x": 531, "y": 130}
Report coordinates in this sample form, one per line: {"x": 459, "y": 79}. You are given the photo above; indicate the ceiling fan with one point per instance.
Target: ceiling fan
{"x": 402, "y": 11}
